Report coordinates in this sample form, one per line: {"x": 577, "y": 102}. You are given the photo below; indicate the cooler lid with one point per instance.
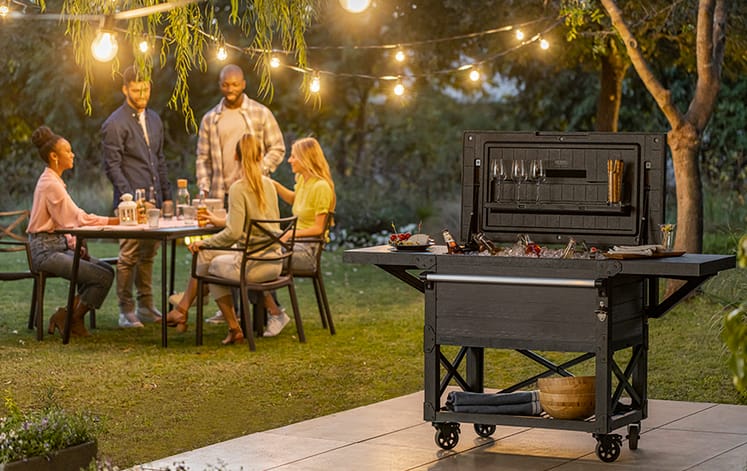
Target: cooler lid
{"x": 576, "y": 196}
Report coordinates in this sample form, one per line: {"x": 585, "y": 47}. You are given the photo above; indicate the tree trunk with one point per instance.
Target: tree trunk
{"x": 684, "y": 143}
{"x": 611, "y": 78}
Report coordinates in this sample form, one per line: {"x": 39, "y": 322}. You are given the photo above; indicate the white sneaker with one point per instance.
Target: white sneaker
{"x": 175, "y": 298}
{"x": 129, "y": 320}
{"x": 276, "y": 323}
{"x": 216, "y": 319}
{"x": 148, "y": 315}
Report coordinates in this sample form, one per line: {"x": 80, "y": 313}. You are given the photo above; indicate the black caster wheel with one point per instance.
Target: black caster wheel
{"x": 608, "y": 447}
{"x": 484, "y": 430}
{"x": 634, "y": 433}
{"x": 447, "y": 435}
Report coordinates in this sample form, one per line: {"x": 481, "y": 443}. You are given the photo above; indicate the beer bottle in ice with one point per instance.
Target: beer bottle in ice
{"x": 451, "y": 245}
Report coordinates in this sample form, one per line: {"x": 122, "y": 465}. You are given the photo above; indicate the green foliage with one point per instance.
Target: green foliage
{"x": 41, "y": 432}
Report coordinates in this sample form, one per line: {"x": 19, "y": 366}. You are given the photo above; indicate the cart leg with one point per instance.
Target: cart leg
{"x": 634, "y": 433}
{"x": 484, "y": 430}
{"x": 608, "y": 446}
{"x": 447, "y": 434}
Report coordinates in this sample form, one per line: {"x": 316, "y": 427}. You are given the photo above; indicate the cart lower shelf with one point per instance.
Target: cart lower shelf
{"x": 607, "y": 449}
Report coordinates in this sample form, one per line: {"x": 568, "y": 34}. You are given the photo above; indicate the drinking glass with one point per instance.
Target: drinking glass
{"x": 538, "y": 175}
{"x": 519, "y": 174}
{"x": 499, "y": 176}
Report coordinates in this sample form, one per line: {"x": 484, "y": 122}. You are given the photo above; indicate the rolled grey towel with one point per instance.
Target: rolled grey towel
{"x": 526, "y": 408}
{"x": 466, "y": 398}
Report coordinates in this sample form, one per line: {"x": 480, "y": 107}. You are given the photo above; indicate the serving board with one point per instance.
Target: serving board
{"x": 628, "y": 256}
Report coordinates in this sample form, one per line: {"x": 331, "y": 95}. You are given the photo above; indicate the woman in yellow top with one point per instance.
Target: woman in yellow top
{"x": 312, "y": 198}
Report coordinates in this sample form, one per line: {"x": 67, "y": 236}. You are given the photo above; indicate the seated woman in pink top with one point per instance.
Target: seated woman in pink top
{"x": 53, "y": 253}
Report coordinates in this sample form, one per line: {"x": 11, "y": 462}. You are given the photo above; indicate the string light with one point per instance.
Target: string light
{"x": 316, "y": 84}
{"x": 519, "y": 35}
{"x": 544, "y": 44}
{"x": 399, "y": 89}
{"x": 144, "y": 46}
{"x": 474, "y": 75}
{"x": 355, "y": 6}
{"x": 274, "y": 62}
{"x": 399, "y": 56}
{"x": 4, "y": 10}
{"x": 222, "y": 53}
{"x": 104, "y": 47}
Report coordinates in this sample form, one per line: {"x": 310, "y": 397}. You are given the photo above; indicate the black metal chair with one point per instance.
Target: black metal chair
{"x": 315, "y": 274}
{"x": 262, "y": 234}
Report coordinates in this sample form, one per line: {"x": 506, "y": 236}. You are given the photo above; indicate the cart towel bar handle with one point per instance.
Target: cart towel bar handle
{"x": 511, "y": 280}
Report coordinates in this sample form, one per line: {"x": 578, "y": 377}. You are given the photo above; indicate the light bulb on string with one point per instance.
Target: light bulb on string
{"x": 104, "y": 46}
{"x": 474, "y": 75}
{"x": 274, "y": 62}
{"x": 519, "y": 35}
{"x": 316, "y": 84}
{"x": 399, "y": 89}
{"x": 222, "y": 53}
{"x": 355, "y": 6}
{"x": 4, "y": 10}
{"x": 399, "y": 56}
{"x": 544, "y": 44}
{"x": 143, "y": 45}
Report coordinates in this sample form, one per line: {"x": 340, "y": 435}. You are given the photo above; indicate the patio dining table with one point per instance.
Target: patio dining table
{"x": 168, "y": 230}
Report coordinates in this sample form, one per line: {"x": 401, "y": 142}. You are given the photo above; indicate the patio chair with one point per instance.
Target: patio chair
{"x": 261, "y": 235}
{"x": 316, "y": 273}
{"x": 14, "y": 241}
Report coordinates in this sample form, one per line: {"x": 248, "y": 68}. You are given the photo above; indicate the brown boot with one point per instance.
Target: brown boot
{"x": 78, "y": 327}
{"x": 57, "y": 321}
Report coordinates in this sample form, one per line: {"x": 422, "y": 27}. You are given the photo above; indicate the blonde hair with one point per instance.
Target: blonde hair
{"x": 249, "y": 151}
{"x": 309, "y": 154}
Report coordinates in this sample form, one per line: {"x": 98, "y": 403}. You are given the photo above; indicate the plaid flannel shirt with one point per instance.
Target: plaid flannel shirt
{"x": 259, "y": 122}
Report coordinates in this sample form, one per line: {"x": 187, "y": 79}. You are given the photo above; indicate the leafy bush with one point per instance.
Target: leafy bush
{"x": 42, "y": 432}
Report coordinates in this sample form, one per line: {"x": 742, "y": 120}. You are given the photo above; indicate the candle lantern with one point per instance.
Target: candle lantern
{"x": 127, "y": 210}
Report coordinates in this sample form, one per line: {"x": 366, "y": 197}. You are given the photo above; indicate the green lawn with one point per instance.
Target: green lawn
{"x": 159, "y": 402}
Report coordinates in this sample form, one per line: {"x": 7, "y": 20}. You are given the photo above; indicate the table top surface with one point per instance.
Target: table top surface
{"x": 167, "y": 229}
{"x": 436, "y": 258}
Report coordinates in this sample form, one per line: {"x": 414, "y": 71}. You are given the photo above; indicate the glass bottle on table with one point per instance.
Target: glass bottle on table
{"x": 182, "y": 198}
{"x": 140, "y": 202}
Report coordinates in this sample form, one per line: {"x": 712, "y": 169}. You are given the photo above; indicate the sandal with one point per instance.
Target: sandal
{"x": 177, "y": 318}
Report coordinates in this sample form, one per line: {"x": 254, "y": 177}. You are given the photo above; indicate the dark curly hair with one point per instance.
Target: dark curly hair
{"x": 44, "y": 140}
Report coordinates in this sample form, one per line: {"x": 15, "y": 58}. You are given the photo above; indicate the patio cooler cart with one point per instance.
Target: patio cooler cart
{"x": 594, "y": 309}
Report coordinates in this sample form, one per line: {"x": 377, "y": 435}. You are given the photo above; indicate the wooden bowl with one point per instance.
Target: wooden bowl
{"x": 570, "y": 384}
{"x": 568, "y": 406}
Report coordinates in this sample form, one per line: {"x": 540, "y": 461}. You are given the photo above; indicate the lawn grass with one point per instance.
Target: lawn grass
{"x": 158, "y": 402}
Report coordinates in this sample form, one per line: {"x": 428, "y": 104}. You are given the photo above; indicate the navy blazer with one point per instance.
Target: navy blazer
{"x": 128, "y": 160}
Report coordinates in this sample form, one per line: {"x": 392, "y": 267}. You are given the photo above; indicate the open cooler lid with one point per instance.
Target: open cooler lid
{"x": 574, "y": 198}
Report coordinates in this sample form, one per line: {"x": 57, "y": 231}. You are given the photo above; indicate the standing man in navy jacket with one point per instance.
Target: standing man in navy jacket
{"x": 132, "y": 148}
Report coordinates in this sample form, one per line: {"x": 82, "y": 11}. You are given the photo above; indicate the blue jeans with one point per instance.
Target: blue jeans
{"x": 49, "y": 253}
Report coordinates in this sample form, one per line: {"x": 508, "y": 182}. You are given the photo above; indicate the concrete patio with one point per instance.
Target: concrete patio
{"x": 392, "y": 436}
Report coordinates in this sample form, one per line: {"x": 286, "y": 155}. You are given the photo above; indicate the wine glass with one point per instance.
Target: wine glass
{"x": 538, "y": 175}
{"x": 499, "y": 175}
{"x": 519, "y": 174}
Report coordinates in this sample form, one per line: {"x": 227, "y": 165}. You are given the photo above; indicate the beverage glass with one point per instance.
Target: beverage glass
{"x": 519, "y": 174}
{"x": 667, "y": 236}
{"x": 190, "y": 214}
{"x": 498, "y": 172}
{"x": 538, "y": 175}
{"x": 153, "y": 215}
{"x": 167, "y": 211}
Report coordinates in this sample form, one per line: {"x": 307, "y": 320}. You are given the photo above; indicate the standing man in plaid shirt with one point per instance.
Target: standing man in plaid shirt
{"x": 222, "y": 127}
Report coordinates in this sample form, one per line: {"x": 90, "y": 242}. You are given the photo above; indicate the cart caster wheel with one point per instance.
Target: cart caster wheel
{"x": 447, "y": 435}
{"x": 634, "y": 433}
{"x": 484, "y": 430}
{"x": 608, "y": 447}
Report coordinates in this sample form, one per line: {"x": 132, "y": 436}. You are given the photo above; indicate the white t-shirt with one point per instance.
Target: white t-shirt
{"x": 231, "y": 127}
